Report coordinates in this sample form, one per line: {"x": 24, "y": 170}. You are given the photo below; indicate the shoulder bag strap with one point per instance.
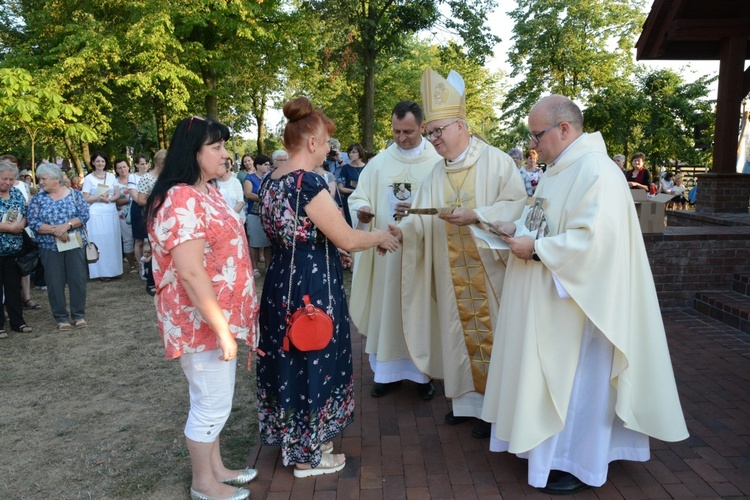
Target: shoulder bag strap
{"x": 329, "y": 309}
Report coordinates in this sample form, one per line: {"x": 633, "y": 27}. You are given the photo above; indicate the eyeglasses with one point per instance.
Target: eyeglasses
{"x": 190, "y": 123}
{"x": 280, "y": 159}
{"x": 537, "y": 137}
{"x": 438, "y": 132}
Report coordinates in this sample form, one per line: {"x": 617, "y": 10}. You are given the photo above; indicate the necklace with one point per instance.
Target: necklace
{"x": 100, "y": 177}
{"x": 457, "y": 191}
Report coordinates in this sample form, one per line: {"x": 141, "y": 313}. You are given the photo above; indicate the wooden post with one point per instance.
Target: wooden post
{"x": 731, "y": 74}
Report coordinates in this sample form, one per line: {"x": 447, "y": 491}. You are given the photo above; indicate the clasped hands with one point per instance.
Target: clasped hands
{"x": 61, "y": 231}
{"x": 389, "y": 242}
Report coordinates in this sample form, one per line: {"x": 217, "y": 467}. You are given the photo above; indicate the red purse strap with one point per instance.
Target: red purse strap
{"x": 291, "y": 271}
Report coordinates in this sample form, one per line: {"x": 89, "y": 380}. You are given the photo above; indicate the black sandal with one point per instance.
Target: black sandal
{"x": 151, "y": 290}
{"x": 30, "y": 304}
{"x": 23, "y": 329}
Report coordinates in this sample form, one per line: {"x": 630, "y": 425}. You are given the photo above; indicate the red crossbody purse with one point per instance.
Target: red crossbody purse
{"x": 309, "y": 328}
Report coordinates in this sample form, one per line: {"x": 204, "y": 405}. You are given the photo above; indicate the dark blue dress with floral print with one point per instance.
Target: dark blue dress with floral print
{"x": 305, "y": 398}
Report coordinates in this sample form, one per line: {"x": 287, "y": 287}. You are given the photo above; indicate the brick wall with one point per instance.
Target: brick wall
{"x": 728, "y": 193}
{"x": 685, "y": 260}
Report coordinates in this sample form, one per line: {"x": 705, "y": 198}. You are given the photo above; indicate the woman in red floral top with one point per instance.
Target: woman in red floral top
{"x": 205, "y": 292}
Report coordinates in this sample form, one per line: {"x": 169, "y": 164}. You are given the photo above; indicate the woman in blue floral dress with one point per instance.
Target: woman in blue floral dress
{"x": 306, "y": 398}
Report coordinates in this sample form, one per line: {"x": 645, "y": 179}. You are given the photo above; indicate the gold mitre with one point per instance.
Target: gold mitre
{"x": 442, "y": 98}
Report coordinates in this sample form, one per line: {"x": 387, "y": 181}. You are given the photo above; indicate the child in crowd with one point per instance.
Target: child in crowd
{"x": 679, "y": 191}
{"x": 530, "y": 172}
{"x": 667, "y": 183}
{"x": 146, "y": 261}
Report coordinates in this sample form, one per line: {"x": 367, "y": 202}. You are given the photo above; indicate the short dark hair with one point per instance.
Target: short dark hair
{"x": 181, "y": 165}
{"x": 359, "y": 149}
{"x": 638, "y": 155}
{"x": 412, "y": 107}
{"x": 120, "y": 160}
{"x": 261, "y": 159}
{"x": 138, "y": 158}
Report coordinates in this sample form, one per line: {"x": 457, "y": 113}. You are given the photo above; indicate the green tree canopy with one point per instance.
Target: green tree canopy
{"x": 369, "y": 33}
{"x": 571, "y": 47}
{"x": 33, "y": 105}
{"x": 659, "y": 114}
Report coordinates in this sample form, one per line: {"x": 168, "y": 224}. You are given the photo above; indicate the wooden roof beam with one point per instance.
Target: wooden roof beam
{"x": 698, "y": 30}
{"x": 662, "y": 13}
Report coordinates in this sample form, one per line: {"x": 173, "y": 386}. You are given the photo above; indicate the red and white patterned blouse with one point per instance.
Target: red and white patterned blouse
{"x": 188, "y": 214}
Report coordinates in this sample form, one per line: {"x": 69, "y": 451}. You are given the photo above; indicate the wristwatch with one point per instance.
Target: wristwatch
{"x": 534, "y": 255}
{"x": 70, "y": 224}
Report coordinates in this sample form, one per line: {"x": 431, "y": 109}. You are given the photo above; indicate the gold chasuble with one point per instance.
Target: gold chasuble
{"x": 469, "y": 283}
{"x": 450, "y": 289}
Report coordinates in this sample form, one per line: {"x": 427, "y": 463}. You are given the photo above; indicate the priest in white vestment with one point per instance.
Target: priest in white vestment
{"x": 386, "y": 188}
{"x": 581, "y": 374}
{"x": 449, "y": 287}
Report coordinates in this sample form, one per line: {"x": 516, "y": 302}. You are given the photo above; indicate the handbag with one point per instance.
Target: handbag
{"x": 29, "y": 259}
{"x": 92, "y": 251}
{"x": 309, "y": 328}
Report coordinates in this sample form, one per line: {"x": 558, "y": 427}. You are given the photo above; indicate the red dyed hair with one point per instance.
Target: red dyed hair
{"x": 304, "y": 120}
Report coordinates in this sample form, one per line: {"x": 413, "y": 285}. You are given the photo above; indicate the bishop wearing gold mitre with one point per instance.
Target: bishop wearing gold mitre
{"x": 450, "y": 288}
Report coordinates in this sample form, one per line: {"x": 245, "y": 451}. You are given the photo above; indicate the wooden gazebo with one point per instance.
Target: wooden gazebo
{"x": 709, "y": 30}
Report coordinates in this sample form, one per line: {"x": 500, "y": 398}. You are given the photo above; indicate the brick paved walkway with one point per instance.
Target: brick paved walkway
{"x": 399, "y": 447}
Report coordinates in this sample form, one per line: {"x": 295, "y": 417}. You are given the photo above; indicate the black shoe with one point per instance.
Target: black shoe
{"x": 563, "y": 483}
{"x": 382, "y": 389}
{"x": 451, "y": 419}
{"x": 481, "y": 430}
{"x": 379, "y": 390}
{"x": 426, "y": 391}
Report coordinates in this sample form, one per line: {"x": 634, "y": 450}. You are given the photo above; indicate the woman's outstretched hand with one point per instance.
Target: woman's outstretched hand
{"x": 388, "y": 242}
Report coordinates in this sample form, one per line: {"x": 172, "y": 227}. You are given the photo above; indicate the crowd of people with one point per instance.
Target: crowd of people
{"x": 637, "y": 177}
{"x": 528, "y": 347}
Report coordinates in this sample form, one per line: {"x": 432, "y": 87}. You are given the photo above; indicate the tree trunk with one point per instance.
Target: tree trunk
{"x": 161, "y": 122}
{"x": 259, "y": 100}
{"x": 368, "y": 108}
{"x": 32, "y": 137}
{"x": 212, "y": 101}
{"x": 73, "y": 154}
{"x": 86, "y": 157}
{"x": 260, "y": 117}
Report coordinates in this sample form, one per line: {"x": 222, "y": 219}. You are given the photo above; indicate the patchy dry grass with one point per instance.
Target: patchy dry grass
{"x": 98, "y": 413}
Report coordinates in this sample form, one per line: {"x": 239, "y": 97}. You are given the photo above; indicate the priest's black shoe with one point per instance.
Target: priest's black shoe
{"x": 382, "y": 389}
{"x": 563, "y": 483}
{"x": 451, "y": 419}
{"x": 379, "y": 390}
{"x": 481, "y": 430}
{"x": 426, "y": 391}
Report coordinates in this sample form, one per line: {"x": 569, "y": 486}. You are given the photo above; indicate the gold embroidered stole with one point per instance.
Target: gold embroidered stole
{"x": 468, "y": 277}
